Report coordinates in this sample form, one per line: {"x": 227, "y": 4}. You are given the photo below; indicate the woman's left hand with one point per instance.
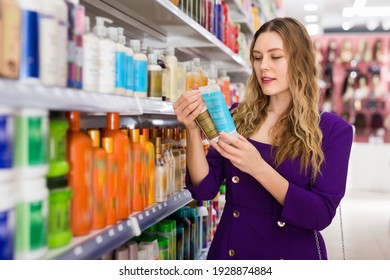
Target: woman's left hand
{"x": 240, "y": 152}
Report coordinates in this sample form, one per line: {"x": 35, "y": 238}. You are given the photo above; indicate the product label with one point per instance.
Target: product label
{"x": 37, "y": 133}
{"x": 6, "y": 234}
{"x": 207, "y": 125}
{"x": 219, "y": 111}
{"x": 6, "y": 139}
{"x": 106, "y": 66}
{"x": 90, "y": 65}
{"x": 140, "y": 76}
{"x": 37, "y": 225}
{"x": 120, "y": 70}
{"x": 31, "y": 229}
{"x": 129, "y": 73}
{"x": 48, "y": 42}
{"x": 29, "y": 61}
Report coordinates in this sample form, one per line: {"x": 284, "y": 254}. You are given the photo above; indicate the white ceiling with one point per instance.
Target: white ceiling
{"x": 330, "y": 14}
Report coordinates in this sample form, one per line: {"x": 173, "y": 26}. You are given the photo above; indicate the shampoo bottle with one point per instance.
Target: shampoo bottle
{"x": 98, "y": 181}
{"x": 171, "y": 62}
{"x": 48, "y": 38}
{"x": 62, "y": 43}
{"x": 129, "y": 72}
{"x": 90, "y": 58}
{"x": 79, "y": 155}
{"x": 120, "y": 62}
{"x": 29, "y": 55}
{"x": 121, "y": 152}
{"x": 106, "y": 57}
{"x": 112, "y": 180}
{"x": 154, "y": 77}
{"x": 140, "y": 64}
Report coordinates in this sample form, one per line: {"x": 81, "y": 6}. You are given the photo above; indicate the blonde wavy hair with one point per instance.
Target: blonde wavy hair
{"x": 297, "y": 132}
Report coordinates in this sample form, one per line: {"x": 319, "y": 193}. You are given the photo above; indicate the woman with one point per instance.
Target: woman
{"x": 272, "y": 210}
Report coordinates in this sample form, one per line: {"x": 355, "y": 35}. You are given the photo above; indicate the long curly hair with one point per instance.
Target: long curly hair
{"x": 297, "y": 132}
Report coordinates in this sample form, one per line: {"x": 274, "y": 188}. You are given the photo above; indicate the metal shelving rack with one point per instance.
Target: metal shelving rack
{"x": 157, "y": 23}
{"x": 100, "y": 242}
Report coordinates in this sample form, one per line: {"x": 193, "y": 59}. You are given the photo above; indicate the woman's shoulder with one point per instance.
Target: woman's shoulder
{"x": 332, "y": 124}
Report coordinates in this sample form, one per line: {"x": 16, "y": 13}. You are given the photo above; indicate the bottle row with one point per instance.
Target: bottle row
{"x": 52, "y": 43}
{"x": 70, "y": 181}
{"x": 183, "y": 235}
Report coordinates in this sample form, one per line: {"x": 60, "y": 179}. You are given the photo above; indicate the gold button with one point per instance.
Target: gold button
{"x": 232, "y": 252}
{"x": 236, "y": 213}
{"x": 235, "y": 179}
{"x": 281, "y": 224}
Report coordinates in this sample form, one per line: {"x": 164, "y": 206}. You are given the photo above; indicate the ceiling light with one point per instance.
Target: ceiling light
{"x": 310, "y": 7}
{"x": 372, "y": 25}
{"x": 386, "y": 25}
{"x": 367, "y": 11}
{"x": 311, "y": 18}
{"x": 346, "y": 26}
{"x": 312, "y": 29}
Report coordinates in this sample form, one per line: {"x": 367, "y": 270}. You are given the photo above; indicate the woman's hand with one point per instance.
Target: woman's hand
{"x": 240, "y": 152}
{"x": 188, "y": 107}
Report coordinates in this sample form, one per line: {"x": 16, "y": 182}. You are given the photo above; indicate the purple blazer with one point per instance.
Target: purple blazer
{"x": 254, "y": 226}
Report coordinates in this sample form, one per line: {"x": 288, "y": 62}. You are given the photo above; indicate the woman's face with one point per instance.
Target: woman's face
{"x": 270, "y": 64}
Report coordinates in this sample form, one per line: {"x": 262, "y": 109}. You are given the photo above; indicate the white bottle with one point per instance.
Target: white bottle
{"x": 106, "y": 70}
{"x": 48, "y": 38}
{"x": 129, "y": 72}
{"x": 90, "y": 58}
{"x": 62, "y": 43}
{"x": 140, "y": 68}
{"x": 171, "y": 63}
{"x": 120, "y": 62}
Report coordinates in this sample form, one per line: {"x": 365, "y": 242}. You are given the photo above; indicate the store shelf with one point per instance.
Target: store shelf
{"x": 159, "y": 23}
{"x": 151, "y": 106}
{"x": 98, "y": 243}
{"x": 159, "y": 211}
{"x": 16, "y": 94}
{"x": 238, "y": 14}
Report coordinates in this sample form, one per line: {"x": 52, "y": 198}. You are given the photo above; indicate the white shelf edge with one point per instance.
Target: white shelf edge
{"x": 14, "y": 93}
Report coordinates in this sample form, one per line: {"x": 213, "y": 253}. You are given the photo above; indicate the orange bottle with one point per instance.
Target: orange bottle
{"x": 112, "y": 180}
{"x": 121, "y": 152}
{"x": 99, "y": 181}
{"x": 138, "y": 186}
{"x": 79, "y": 156}
{"x": 149, "y": 165}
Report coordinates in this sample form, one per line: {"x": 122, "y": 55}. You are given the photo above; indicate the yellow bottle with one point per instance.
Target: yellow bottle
{"x": 149, "y": 166}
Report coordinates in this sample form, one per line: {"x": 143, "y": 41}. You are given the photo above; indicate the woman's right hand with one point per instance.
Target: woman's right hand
{"x": 188, "y": 107}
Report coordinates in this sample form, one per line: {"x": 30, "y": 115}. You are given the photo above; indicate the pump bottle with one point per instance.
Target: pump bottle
{"x": 106, "y": 70}
{"x": 90, "y": 58}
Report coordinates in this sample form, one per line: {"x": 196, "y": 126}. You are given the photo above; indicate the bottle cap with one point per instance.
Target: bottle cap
{"x": 74, "y": 120}
{"x": 135, "y": 45}
{"x": 112, "y": 121}
{"x": 100, "y": 30}
{"x": 134, "y": 135}
{"x": 113, "y": 33}
{"x": 95, "y": 137}
{"x": 108, "y": 144}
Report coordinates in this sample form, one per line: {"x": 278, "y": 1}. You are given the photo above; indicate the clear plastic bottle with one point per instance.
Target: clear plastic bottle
{"x": 154, "y": 77}
{"x": 171, "y": 63}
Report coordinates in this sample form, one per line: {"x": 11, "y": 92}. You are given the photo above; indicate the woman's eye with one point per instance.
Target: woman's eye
{"x": 257, "y": 58}
{"x": 276, "y": 57}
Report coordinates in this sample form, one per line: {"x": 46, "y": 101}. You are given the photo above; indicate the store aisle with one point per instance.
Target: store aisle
{"x": 366, "y": 223}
